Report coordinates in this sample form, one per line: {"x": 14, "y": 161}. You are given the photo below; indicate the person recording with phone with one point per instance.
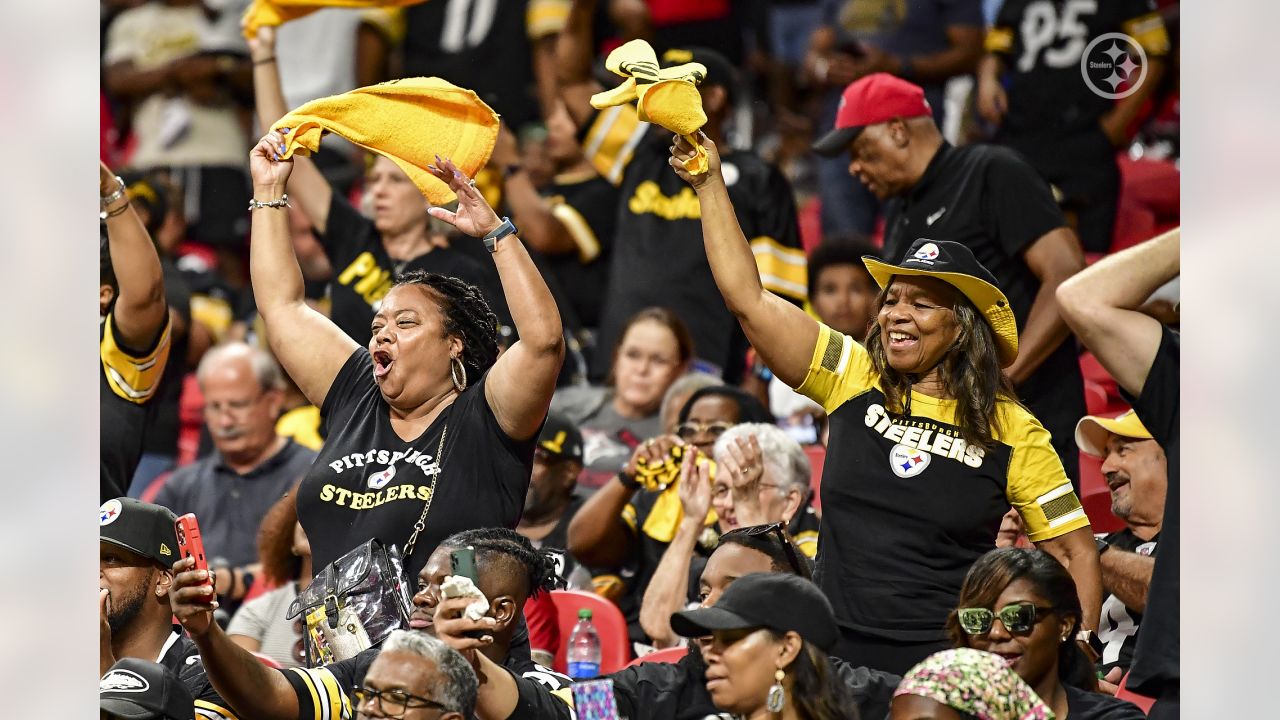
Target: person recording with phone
{"x": 137, "y": 551}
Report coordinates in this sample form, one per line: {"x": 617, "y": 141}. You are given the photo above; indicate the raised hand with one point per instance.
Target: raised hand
{"x": 263, "y": 45}
{"x": 191, "y": 597}
{"x": 682, "y": 151}
{"x": 106, "y": 656}
{"x": 695, "y": 487}
{"x": 743, "y": 463}
{"x": 474, "y": 217}
{"x": 269, "y": 172}
{"x": 453, "y": 628}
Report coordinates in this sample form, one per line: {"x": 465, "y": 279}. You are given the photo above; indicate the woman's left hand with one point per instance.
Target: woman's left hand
{"x": 474, "y": 217}
{"x": 695, "y": 486}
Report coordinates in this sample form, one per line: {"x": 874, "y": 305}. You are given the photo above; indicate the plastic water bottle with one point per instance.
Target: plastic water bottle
{"x": 583, "y": 655}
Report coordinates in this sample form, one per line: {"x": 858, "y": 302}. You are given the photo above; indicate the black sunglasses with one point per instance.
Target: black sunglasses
{"x": 1017, "y": 618}
{"x": 393, "y": 703}
{"x": 798, "y": 566}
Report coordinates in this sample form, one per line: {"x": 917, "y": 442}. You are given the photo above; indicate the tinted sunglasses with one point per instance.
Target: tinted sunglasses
{"x": 1017, "y": 618}
{"x": 778, "y": 529}
{"x": 689, "y": 430}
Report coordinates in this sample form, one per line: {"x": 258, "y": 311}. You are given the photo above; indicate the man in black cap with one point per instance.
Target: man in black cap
{"x": 137, "y": 548}
{"x": 139, "y": 690}
{"x": 657, "y": 258}
{"x": 989, "y": 199}
{"x": 550, "y": 503}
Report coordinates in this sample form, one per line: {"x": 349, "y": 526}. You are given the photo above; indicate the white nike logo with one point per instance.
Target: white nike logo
{"x": 930, "y": 219}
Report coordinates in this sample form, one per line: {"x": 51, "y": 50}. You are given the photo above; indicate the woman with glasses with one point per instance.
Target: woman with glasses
{"x": 1022, "y": 606}
{"x": 929, "y": 446}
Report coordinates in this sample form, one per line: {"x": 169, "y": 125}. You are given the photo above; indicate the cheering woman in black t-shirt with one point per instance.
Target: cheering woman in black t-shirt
{"x": 929, "y": 446}
{"x": 429, "y": 432}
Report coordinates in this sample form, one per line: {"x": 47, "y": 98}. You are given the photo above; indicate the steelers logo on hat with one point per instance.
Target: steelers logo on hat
{"x": 907, "y": 462}
{"x": 109, "y": 512}
{"x": 927, "y": 251}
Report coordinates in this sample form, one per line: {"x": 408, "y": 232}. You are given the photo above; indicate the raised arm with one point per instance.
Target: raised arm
{"x": 307, "y": 186}
{"x": 1078, "y": 553}
{"x": 598, "y": 536}
{"x": 669, "y": 587}
{"x": 254, "y": 691}
{"x": 530, "y": 211}
{"x": 140, "y": 310}
{"x": 1101, "y": 304}
{"x": 521, "y": 382}
{"x": 309, "y": 346}
{"x": 781, "y": 332}
{"x": 575, "y": 52}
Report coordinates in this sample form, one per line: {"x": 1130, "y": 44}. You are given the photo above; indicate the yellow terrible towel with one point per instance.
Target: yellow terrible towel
{"x": 278, "y": 12}
{"x": 409, "y": 121}
{"x": 666, "y": 96}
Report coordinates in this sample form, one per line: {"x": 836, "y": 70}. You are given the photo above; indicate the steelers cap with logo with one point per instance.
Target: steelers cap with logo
{"x": 560, "y": 438}
{"x": 954, "y": 264}
{"x": 1093, "y": 430}
{"x": 141, "y": 690}
{"x": 139, "y": 527}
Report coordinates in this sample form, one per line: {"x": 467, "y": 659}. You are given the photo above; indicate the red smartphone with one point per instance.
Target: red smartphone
{"x": 189, "y": 542}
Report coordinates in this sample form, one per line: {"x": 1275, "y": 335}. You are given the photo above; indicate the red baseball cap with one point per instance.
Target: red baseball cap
{"x": 876, "y": 98}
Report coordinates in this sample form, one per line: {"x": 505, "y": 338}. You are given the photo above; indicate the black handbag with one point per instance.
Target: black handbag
{"x": 356, "y": 601}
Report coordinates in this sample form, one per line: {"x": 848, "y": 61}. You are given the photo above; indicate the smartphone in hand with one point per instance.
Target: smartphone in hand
{"x": 189, "y": 542}
{"x": 462, "y": 562}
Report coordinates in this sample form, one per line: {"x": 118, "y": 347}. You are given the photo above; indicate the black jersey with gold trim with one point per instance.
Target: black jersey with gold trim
{"x": 127, "y": 381}
{"x": 658, "y": 256}
{"x": 182, "y": 658}
{"x": 908, "y": 505}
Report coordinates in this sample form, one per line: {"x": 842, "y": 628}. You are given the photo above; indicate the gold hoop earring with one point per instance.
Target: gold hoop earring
{"x": 777, "y": 698}
{"x": 456, "y": 368}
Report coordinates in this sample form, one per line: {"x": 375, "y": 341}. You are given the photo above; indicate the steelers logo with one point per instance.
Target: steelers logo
{"x": 109, "y": 511}
{"x": 927, "y": 251}
{"x": 907, "y": 462}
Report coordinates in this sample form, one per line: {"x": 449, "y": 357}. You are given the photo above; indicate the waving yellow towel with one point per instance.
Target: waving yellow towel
{"x": 278, "y": 12}
{"x": 666, "y": 96}
{"x": 409, "y": 121}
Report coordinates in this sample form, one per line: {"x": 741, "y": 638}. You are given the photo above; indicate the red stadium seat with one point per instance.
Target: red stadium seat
{"x": 1095, "y": 497}
{"x": 668, "y": 655}
{"x": 1143, "y": 702}
{"x": 268, "y": 661}
{"x": 615, "y": 648}
{"x": 817, "y": 457}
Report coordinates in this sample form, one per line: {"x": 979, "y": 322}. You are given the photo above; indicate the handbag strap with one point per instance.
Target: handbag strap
{"x": 426, "y": 508}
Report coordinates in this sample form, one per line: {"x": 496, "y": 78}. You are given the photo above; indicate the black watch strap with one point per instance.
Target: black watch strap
{"x": 1103, "y": 545}
{"x": 506, "y": 228}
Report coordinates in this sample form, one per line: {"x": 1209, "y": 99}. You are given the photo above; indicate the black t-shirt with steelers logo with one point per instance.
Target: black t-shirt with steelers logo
{"x": 1118, "y": 629}
{"x": 908, "y": 505}
{"x": 369, "y": 483}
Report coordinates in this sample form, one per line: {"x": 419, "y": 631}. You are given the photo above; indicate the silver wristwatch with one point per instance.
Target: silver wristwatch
{"x": 506, "y": 228}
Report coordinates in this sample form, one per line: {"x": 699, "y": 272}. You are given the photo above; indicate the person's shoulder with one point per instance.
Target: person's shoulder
{"x": 1016, "y": 425}
{"x": 988, "y": 155}
{"x": 1086, "y": 705}
{"x": 578, "y": 402}
{"x": 188, "y": 476}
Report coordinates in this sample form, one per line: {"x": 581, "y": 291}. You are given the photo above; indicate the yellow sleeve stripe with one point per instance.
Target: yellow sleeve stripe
{"x": 546, "y": 17}
{"x": 782, "y": 268}
{"x": 807, "y": 541}
{"x": 612, "y": 140}
{"x": 1060, "y": 506}
{"x": 564, "y": 695}
{"x": 999, "y": 40}
{"x": 579, "y": 229}
{"x": 336, "y": 698}
{"x": 629, "y": 516}
{"x": 321, "y": 683}
{"x": 209, "y": 711}
{"x": 1149, "y": 31}
{"x": 133, "y": 378}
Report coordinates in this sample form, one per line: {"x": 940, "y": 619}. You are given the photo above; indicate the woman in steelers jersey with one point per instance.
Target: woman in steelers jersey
{"x": 929, "y": 445}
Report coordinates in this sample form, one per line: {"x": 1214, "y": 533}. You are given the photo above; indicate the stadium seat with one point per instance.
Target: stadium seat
{"x": 1096, "y": 497}
{"x": 668, "y": 655}
{"x": 1143, "y": 702}
{"x": 615, "y": 648}
{"x": 817, "y": 457}
{"x": 269, "y": 662}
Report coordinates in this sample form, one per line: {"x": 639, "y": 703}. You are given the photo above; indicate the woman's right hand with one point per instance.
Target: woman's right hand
{"x": 683, "y": 151}
{"x": 192, "y": 598}
{"x": 266, "y": 168}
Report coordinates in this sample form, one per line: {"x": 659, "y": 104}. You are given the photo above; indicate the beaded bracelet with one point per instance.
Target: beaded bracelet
{"x": 283, "y": 202}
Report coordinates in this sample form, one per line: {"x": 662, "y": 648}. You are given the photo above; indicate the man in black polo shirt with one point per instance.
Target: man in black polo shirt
{"x": 992, "y": 201}
{"x": 136, "y": 551}
{"x": 1102, "y": 306}
{"x": 658, "y": 257}
{"x": 232, "y": 488}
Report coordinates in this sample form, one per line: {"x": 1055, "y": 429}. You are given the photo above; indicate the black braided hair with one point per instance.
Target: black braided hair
{"x": 540, "y": 564}
{"x": 467, "y": 316}
{"x": 769, "y": 544}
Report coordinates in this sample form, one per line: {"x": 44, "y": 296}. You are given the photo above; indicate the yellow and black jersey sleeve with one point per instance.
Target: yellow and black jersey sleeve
{"x": 206, "y": 710}
{"x": 999, "y": 40}
{"x": 133, "y": 378}
{"x": 388, "y": 22}
{"x": 579, "y": 229}
{"x": 610, "y": 140}
{"x": 546, "y": 17}
{"x": 807, "y": 541}
{"x": 629, "y": 517}
{"x": 840, "y": 369}
{"x": 1149, "y": 31}
{"x": 1037, "y": 486}
{"x": 320, "y": 696}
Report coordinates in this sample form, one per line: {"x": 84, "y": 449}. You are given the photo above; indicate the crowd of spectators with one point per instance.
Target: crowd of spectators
{"x": 877, "y": 416}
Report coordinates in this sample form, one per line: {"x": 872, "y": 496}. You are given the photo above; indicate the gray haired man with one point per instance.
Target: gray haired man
{"x": 417, "y": 676}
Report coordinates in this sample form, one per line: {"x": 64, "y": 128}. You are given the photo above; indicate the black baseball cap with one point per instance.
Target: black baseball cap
{"x": 779, "y": 601}
{"x": 954, "y": 264}
{"x": 719, "y": 70}
{"x": 139, "y": 527}
{"x": 141, "y": 690}
{"x": 561, "y": 438}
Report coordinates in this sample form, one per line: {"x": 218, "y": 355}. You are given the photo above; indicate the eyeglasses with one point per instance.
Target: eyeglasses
{"x": 392, "y": 703}
{"x": 1017, "y": 618}
{"x": 797, "y": 566}
{"x": 690, "y": 430}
